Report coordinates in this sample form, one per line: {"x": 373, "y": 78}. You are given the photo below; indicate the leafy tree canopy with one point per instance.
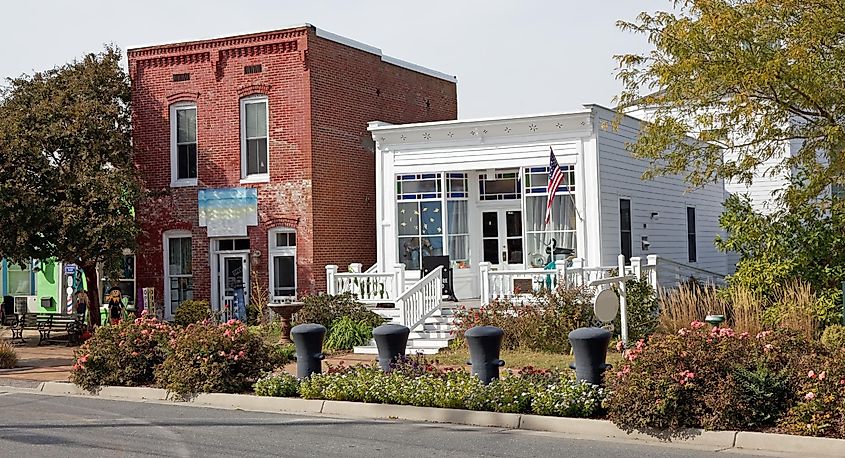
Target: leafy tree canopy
{"x": 67, "y": 180}
{"x": 745, "y": 77}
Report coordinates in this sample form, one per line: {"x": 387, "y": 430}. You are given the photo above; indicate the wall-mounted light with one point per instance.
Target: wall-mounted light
{"x": 655, "y": 216}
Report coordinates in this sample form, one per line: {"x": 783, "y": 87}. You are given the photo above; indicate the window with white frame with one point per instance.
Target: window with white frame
{"x": 419, "y": 211}
{"x": 555, "y": 240}
{"x": 282, "y": 248}
{"x": 19, "y": 279}
{"x": 178, "y": 275}
{"x": 499, "y": 186}
{"x": 183, "y": 144}
{"x": 457, "y": 217}
{"x": 125, "y": 280}
{"x": 254, "y": 138}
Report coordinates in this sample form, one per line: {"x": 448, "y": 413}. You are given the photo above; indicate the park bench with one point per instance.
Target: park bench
{"x": 47, "y": 324}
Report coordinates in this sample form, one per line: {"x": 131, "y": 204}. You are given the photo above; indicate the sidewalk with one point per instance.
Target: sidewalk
{"x": 45, "y": 363}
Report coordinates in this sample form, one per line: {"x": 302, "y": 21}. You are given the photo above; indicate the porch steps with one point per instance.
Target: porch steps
{"x": 428, "y": 338}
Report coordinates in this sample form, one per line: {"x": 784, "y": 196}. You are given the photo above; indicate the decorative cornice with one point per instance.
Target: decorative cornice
{"x": 176, "y": 59}
{"x": 482, "y": 131}
{"x": 250, "y": 89}
{"x": 195, "y": 46}
{"x": 260, "y": 49}
{"x": 183, "y": 96}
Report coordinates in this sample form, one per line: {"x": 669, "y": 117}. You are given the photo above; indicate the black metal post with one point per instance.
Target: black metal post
{"x": 485, "y": 344}
{"x": 308, "y": 339}
{"x": 391, "y": 341}
{"x": 590, "y": 348}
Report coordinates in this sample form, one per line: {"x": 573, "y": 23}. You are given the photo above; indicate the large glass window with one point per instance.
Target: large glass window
{"x": 419, "y": 217}
{"x": 179, "y": 275}
{"x": 183, "y": 118}
{"x": 282, "y": 243}
{"x": 254, "y": 142}
{"x": 555, "y": 240}
{"x": 458, "y": 219}
{"x": 125, "y": 280}
{"x": 19, "y": 279}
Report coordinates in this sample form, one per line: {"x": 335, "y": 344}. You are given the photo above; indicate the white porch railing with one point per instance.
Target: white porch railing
{"x": 421, "y": 300}
{"x": 369, "y": 287}
{"x": 660, "y": 272}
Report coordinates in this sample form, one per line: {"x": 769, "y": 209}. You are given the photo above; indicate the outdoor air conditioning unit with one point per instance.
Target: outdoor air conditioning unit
{"x": 26, "y": 304}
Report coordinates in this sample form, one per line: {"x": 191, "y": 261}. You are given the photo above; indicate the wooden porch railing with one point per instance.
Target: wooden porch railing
{"x": 421, "y": 300}
{"x": 369, "y": 287}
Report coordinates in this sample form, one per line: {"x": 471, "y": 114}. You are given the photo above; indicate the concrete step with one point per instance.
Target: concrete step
{"x": 414, "y": 336}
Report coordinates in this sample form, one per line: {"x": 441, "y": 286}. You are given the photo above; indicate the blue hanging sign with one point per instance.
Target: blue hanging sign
{"x": 70, "y": 269}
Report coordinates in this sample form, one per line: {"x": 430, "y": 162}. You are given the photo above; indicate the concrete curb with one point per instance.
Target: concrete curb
{"x": 581, "y": 428}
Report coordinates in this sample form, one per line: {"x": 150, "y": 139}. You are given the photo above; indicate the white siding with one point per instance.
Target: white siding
{"x": 620, "y": 177}
{"x": 766, "y": 184}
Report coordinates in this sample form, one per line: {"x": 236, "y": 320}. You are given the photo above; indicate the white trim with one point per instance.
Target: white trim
{"x": 272, "y": 251}
{"x": 176, "y": 182}
{"x": 255, "y": 177}
{"x": 166, "y": 236}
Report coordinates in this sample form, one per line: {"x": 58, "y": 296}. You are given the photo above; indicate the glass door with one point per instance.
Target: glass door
{"x": 233, "y": 274}
{"x": 501, "y": 232}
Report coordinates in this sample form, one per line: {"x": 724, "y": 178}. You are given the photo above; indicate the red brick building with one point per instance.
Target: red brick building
{"x": 258, "y": 146}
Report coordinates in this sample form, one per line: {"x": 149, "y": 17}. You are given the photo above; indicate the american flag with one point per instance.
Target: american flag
{"x": 555, "y": 179}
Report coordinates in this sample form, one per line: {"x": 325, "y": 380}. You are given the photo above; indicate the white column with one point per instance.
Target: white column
{"x": 652, "y": 274}
{"x": 636, "y": 266}
{"x": 356, "y": 267}
{"x": 398, "y": 279}
{"x": 484, "y": 268}
{"x": 623, "y": 301}
{"x": 331, "y": 271}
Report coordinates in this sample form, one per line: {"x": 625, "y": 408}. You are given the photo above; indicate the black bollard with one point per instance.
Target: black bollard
{"x": 391, "y": 341}
{"x": 308, "y": 339}
{"x": 485, "y": 342}
{"x": 590, "y": 348}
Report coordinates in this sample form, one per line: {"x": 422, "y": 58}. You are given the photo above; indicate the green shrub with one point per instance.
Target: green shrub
{"x": 278, "y": 385}
{"x": 345, "y": 333}
{"x": 125, "y": 354}
{"x": 833, "y": 336}
{"x": 326, "y": 309}
{"x": 417, "y": 383}
{"x": 281, "y": 354}
{"x": 8, "y": 355}
{"x": 642, "y": 309}
{"x": 211, "y": 358}
{"x": 192, "y": 311}
{"x": 568, "y": 398}
{"x": 542, "y": 324}
{"x": 706, "y": 377}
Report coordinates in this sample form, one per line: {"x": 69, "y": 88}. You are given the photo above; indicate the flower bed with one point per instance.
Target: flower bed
{"x": 415, "y": 382}
{"x": 718, "y": 379}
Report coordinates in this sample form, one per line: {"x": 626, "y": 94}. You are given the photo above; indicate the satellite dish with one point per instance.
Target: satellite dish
{"x": 606, "y": 305}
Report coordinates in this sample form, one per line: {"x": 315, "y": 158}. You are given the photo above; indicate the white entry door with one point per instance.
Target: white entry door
{"x": 501, "y": 232}
{"x": 234, "y": 272}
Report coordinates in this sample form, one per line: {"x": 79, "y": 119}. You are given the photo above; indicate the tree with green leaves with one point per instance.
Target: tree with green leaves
{"x": 745, "y": 77}
{"x": 68, "y": 185}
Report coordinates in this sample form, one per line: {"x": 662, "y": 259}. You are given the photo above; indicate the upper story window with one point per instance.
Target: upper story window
{"x": 254, "y": 139}
{"x": 183, "y": 144}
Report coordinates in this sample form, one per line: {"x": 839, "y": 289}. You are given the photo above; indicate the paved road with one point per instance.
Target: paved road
{"x": 35, "y": 425}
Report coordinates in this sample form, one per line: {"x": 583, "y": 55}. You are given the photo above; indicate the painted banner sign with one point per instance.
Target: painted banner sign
{"x": 227, "y": 212}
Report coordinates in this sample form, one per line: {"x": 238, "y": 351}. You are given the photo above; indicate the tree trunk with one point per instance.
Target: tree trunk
{"x": 90, "y": 271}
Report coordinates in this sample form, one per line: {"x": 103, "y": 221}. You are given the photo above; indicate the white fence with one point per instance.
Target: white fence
{"x": 421, "y": 300}
{"x": 660, "y": 272}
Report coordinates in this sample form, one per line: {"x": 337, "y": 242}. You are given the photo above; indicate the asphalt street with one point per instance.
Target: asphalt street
{"x": 35, "y": 425}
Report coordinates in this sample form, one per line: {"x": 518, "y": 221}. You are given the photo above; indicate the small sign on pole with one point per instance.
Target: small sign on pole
{"x": 70, "y": 269}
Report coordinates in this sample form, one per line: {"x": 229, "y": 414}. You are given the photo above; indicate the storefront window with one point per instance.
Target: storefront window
{"x": 556, "y": 240}
{"x": 125, "y": 281}
{"x": 499, "y": 186}
{"x": 458, "y": 220}
{"x": 19, "y": 279}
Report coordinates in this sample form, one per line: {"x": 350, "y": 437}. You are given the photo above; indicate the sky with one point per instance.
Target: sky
{"x": 511, "y": 57}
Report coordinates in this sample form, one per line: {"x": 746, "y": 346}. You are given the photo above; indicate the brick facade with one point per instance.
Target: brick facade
{"x": 321, "y": 94}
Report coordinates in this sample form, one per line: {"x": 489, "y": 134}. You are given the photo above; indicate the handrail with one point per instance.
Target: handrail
{"x": 706, "y": 272}
{"x": 367, "y": 287}
{"x": 421, "y": 300}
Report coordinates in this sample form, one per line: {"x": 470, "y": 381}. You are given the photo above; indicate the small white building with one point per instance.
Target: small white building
{"x": 475, "y": 190}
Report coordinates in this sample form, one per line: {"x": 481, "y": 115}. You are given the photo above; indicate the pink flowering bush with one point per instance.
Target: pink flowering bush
{"x": 707, "y": 377}
{"x": 122, "y": 355}
{"x": 820, "y": 409}
{"x": 207, "y": 357}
